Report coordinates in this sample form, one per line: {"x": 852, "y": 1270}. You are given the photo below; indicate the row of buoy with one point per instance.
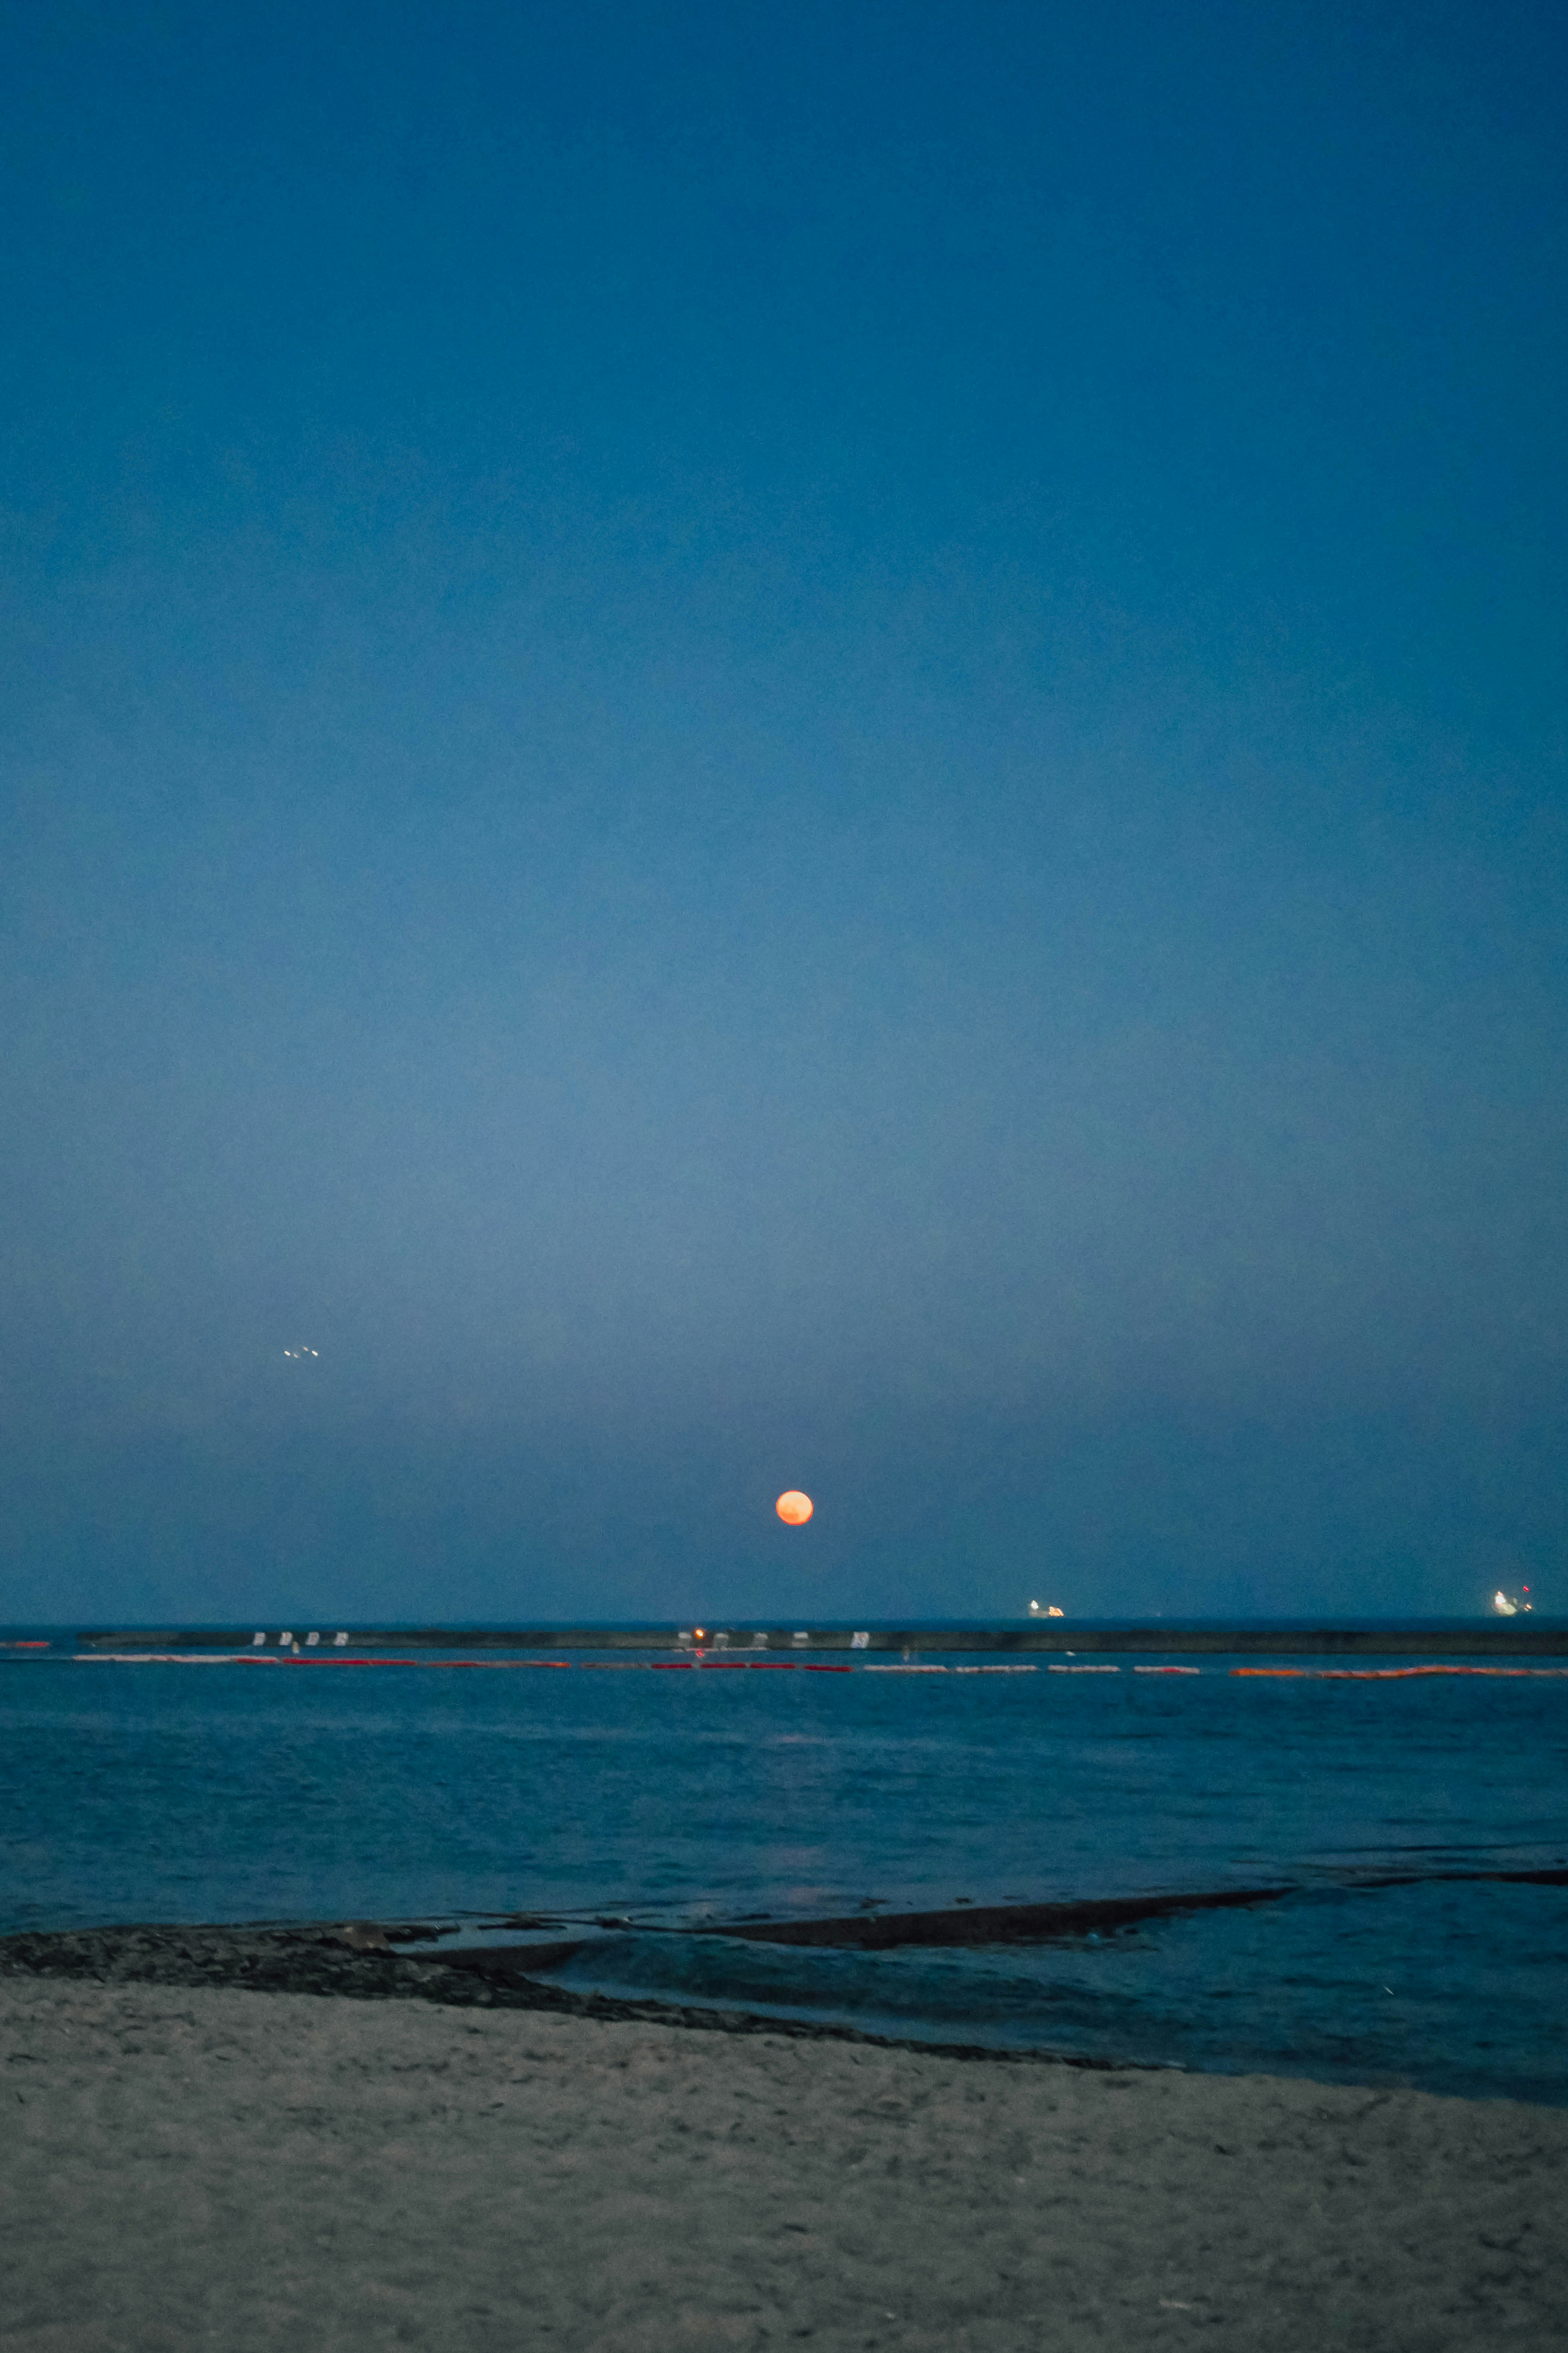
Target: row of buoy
{"x": 710, "y": 1666}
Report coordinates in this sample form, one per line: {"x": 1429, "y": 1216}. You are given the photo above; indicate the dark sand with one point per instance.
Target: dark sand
{"x": 194, "y": 2163}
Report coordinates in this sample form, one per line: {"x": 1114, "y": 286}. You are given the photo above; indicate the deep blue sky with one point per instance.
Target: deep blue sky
{"x": 764, "y": 745}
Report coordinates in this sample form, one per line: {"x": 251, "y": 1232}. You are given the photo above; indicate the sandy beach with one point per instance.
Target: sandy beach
{"x": 189, "y": 2167}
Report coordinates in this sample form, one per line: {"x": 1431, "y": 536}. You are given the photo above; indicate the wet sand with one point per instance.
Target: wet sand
{"x": 193, "y": 2165}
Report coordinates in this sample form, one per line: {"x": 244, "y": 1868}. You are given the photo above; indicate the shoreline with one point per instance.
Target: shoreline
{"x": 342, "y": 1962}
{"x": 400, "y": 1961}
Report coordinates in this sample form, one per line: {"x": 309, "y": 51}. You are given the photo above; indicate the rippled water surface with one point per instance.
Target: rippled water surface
{"x": 235, "y": 1792}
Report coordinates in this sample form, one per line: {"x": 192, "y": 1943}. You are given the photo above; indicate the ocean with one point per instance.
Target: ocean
{"x": 671, "y": 1803}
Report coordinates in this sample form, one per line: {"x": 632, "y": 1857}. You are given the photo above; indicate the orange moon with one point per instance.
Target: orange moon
{"x": 794, "y": 1508}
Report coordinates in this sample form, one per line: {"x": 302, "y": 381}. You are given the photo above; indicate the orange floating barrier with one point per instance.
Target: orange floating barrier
{"x": 1386, "y": 1675}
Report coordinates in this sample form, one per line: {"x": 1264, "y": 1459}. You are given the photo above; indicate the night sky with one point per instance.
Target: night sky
{"x": 756, "y": 746}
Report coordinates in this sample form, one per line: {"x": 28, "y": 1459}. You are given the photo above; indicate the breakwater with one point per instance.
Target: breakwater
{"x": 1061, "y": 1638}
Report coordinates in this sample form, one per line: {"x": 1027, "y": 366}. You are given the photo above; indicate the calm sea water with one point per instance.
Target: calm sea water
{"x": 239, "y": 1792}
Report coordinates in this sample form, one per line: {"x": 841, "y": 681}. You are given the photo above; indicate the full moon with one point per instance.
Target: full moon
{"x": 794, "y": 1508}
